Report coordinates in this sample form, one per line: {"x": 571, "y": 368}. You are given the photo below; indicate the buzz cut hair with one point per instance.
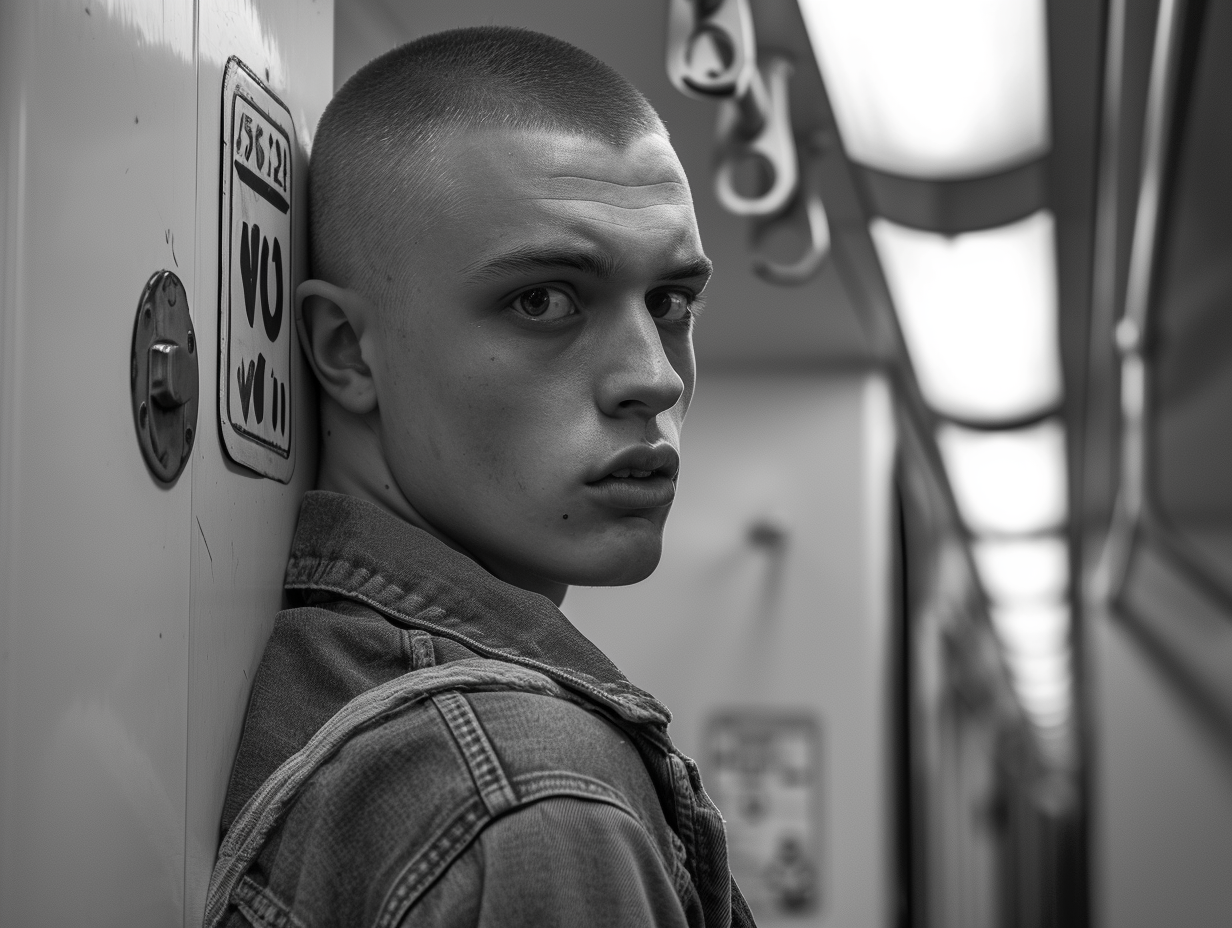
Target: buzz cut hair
{"x": 383, "y": 132}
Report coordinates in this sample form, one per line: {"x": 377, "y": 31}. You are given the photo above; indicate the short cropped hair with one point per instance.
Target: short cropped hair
{"x": 383, "y": 127}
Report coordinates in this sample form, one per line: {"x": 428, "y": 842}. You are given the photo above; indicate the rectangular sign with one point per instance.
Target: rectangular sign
{"x": 764, "y": 772}
{"x": 256, "y": 284}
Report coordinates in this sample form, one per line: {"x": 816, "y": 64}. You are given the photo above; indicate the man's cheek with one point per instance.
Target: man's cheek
{"x": 506, "y": 448}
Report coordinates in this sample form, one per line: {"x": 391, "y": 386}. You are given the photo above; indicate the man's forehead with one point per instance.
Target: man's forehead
{"x": 547, "y": 165}
{"x": 511, "y": 201}
{"x": 611, "y": 193}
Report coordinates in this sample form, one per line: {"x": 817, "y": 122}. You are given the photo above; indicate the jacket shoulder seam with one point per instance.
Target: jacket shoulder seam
{"x": 431, "y": 863}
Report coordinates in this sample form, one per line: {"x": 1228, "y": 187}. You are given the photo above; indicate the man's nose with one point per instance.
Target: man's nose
{"x": 638, "y": 378}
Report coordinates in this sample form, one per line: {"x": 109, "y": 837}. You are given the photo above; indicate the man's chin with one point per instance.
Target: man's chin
{"x": 606, "y": 554}
{"x": 620, "y": 565}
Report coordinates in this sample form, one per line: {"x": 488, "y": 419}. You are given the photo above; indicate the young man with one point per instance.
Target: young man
{"x": 507, "y": 263}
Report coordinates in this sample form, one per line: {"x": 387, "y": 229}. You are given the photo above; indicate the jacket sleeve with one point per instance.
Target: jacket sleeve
{"x": 561, "y": 861}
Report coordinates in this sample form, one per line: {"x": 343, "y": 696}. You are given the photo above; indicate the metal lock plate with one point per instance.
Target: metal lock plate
{"x": 164, "y": 376}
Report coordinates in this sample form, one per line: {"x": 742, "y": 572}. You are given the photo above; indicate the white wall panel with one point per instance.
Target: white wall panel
{"x": 1162, "y": 794}
{"x": 97, "y": 104}
{"x": 131, "y": 614}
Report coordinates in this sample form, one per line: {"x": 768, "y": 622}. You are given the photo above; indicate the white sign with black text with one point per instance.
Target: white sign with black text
{"x": 256, "y": 317}
{"x": 764, "y": 772}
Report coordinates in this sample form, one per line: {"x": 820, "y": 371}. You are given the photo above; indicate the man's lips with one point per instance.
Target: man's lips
{"x": 653, "y": 492}
{"x": 641, "y": 462}
{"x": 639, "y": 478}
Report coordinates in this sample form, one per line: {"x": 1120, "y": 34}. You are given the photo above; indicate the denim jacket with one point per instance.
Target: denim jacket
{"x": 428, "y": 745}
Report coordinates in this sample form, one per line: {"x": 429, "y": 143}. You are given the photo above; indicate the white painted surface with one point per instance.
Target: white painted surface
{"x": 1162, "y": 787}
{"x": 721, "y": 624}
{"x": 125, "y": 646}
{"x": 99, "y": 180}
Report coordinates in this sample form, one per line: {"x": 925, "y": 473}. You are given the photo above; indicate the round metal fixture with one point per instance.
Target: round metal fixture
{"x": 164, "y": 376}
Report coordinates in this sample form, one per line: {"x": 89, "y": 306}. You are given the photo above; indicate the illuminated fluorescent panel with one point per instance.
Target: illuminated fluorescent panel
{"x": 1047, "y": 712}
{"x": 1041, "y": 676}
{"x": 1023, "y": 570}
{"x": 1035, "y": 641}
{"x": 1032, "y": 629}
{"x": 1007, "y": 483}
{"x": 934, "y": 88}
{"x": 1042, "y": 683}
{"x": 978, "y": 312}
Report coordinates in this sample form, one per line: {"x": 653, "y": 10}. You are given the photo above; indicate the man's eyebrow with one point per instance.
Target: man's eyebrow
{"x": 531, "y": 258}
{"x": 700, "y": 266}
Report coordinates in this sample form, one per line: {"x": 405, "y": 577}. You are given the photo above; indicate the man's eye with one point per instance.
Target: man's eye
{"x": 668, "y": 305}
{"x": 544, "y": 303}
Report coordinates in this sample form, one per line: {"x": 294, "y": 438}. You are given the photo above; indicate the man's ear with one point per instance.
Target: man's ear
{"x": 331, "y": 322}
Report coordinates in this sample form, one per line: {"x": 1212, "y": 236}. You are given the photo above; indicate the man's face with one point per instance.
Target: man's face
{"x": 535, "y": 360}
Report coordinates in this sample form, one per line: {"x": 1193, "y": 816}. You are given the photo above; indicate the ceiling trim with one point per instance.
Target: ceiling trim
{"x": 955, "y": 206}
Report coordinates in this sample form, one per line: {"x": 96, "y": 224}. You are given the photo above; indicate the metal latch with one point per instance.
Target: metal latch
{"x": 164, "y": 376}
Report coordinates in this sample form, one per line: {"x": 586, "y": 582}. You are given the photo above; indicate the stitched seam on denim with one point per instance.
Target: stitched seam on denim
{"x": 534, "y": 787}
{"x": 480, "y": 756}
{"x": 267, "y": 805}
{"x": 431, "y": 862}
{"x": 685, "y": 825}
{"x": 262, "y": 907}
{"x": 681, "y": 881}
{"x": 426, "y": 867}
{"x": 700, "y": 805}
{"x": 404, "y": 649}
{"x": 623, "y": 695}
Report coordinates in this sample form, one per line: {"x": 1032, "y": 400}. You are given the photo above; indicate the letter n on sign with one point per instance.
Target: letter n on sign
{"x": 256, "y": 331}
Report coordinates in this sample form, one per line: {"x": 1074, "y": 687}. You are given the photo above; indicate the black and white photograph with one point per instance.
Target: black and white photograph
{"x": 616, "y": 463}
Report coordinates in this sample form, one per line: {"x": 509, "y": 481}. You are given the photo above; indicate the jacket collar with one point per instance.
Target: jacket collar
{"x": 355, "y": 549}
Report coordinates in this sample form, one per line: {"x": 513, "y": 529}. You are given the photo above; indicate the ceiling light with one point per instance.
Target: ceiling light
{"x": 946, "y": 88}
{"x": 978, "y": 312}
{"x": 1052, "y": 719}
{"x": 1042, "y": 684}
{"x": 1010, "y": 482}
{"x": 1050, "y": 710}
{"x": 1023, "y": 570}
{"x": 1042, "y": 674}
{"x": 1031, "y": 629}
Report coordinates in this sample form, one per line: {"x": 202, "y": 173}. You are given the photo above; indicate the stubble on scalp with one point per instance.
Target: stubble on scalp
{"x": 380, "y": 172}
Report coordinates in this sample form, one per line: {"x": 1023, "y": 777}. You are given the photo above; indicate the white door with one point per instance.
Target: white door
{"x": 131, "y": 612}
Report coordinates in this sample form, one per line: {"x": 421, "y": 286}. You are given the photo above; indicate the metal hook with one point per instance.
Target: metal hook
{"x": 794, "y": 273}
{"x": 711, "y": 52}
{"x": 758, "y": 123}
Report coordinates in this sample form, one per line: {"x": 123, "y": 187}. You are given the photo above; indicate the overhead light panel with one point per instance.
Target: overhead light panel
{"x": 1035, "y": 641}
{"x": 1032, "y": 629}
{"x": 1023, "y": 570}
{"x": 978, "y": 312}
{"x": 936, "y": 89}
{"x": 1043, "y": 683}
{"x": 1009, "y": 482}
